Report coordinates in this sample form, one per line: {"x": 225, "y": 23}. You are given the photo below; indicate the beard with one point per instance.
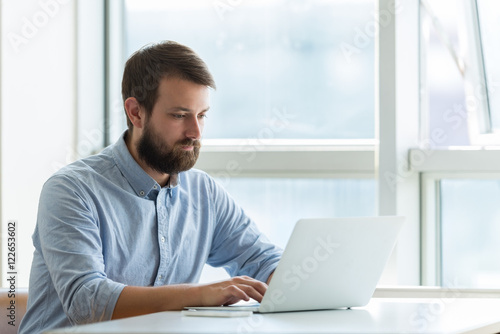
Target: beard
{"x": 165, "y": 158}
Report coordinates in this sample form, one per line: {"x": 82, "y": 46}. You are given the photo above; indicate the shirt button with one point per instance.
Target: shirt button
{"x": 141, "y": 193}
{"x": 162, "y": 239}
{"x": 155, "y": 187}
{"x": 160, "y": 276}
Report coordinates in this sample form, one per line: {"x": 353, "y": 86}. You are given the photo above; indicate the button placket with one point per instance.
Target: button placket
{"x": 162, "y": 230}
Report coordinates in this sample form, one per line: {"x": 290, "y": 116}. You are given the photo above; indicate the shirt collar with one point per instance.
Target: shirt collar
{"x": 140, "y": 181}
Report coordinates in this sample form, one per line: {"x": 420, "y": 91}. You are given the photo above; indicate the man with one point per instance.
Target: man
{"x": 127, "y": 232}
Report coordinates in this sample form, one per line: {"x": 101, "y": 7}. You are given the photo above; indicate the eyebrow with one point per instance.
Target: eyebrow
{"x": 185, "y": 109}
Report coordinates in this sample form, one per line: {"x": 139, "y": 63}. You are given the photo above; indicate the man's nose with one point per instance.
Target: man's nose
{"x": 195, "y": 128}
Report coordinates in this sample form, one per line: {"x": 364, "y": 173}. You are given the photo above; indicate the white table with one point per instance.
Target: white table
{"x": 381, "y": 315}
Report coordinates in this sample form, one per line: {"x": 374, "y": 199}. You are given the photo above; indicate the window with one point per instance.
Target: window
{"x": 488, "y": 13}
{"x": 461, "y": 92}
{"x": 291, "y": 131}
{"x": 296, "y": 63}
{"x": 443, "y": 106}
{"x": 460, "y": 229}
{"x": 479, "y": 48}
{"x": 458, "y": 173}
{"x": 275, "y": 203}
{"x": 470, "y": 237}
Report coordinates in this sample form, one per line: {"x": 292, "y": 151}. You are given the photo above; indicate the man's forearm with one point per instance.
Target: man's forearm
{"x": 135, "y": 300}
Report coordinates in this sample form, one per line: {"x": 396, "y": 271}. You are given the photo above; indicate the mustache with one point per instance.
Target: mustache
{"x": 189, "y": 142}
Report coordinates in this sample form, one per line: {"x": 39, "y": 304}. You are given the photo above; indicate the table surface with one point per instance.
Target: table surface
{"x": 381, "y": 315}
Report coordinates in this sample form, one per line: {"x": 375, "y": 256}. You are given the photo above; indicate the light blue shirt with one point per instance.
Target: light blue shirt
{"x": 104, "y": 223}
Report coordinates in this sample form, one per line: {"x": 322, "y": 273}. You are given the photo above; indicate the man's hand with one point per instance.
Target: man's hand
{"x": 231, "y": 291}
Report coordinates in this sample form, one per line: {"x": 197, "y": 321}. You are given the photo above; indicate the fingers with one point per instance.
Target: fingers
{"x": 233, "y": 294}
{"x": 244, "y": 288}
{"x": 251, "y": 287}
{"x": 258, "y": 285}
{"x": 232, "y": 291}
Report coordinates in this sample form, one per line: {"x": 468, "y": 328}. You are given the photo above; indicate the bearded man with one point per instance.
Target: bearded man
{"x": 127, "y": 232}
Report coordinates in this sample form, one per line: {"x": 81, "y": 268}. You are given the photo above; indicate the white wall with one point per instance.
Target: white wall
{"x": 37, "y": 111}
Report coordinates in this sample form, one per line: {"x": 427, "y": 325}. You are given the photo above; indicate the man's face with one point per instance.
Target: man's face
{"x": 170, "y": 140}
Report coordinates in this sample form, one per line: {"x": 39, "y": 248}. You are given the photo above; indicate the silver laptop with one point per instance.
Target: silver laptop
{"x": 328, "y": 264}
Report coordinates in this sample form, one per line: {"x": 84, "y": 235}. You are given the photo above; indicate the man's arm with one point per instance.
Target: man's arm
{"x": 68, "y": 240}
{"x": 143, "y": 300}
{"x": 238, "y": 245}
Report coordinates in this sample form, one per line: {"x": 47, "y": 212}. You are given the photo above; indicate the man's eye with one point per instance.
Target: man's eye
{"x": 177, "y": 116}
{"x": 202, "y": 116}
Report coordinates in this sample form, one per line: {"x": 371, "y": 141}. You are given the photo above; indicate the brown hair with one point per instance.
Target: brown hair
{"x": 153, "y": 62}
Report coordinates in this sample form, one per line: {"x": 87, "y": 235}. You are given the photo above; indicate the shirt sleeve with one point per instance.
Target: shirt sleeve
{"x": 70, "y": 243}
{"x": 238, "y": 245}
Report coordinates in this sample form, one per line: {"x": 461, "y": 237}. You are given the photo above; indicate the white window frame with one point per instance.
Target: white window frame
{"x": 398, "y": 131}
{"x": 280, "y": 158}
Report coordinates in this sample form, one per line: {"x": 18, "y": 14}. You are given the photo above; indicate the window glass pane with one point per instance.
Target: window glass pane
{"x": 301, "y": 68}
{"x": 443, "y": 103}
{"x": 276, "y": 204}
{"x": 489, "y": 23}
{"x": 470, "y": 233}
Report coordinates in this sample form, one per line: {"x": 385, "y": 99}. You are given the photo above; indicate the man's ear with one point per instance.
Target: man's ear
{"x": 134, "y": 112}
